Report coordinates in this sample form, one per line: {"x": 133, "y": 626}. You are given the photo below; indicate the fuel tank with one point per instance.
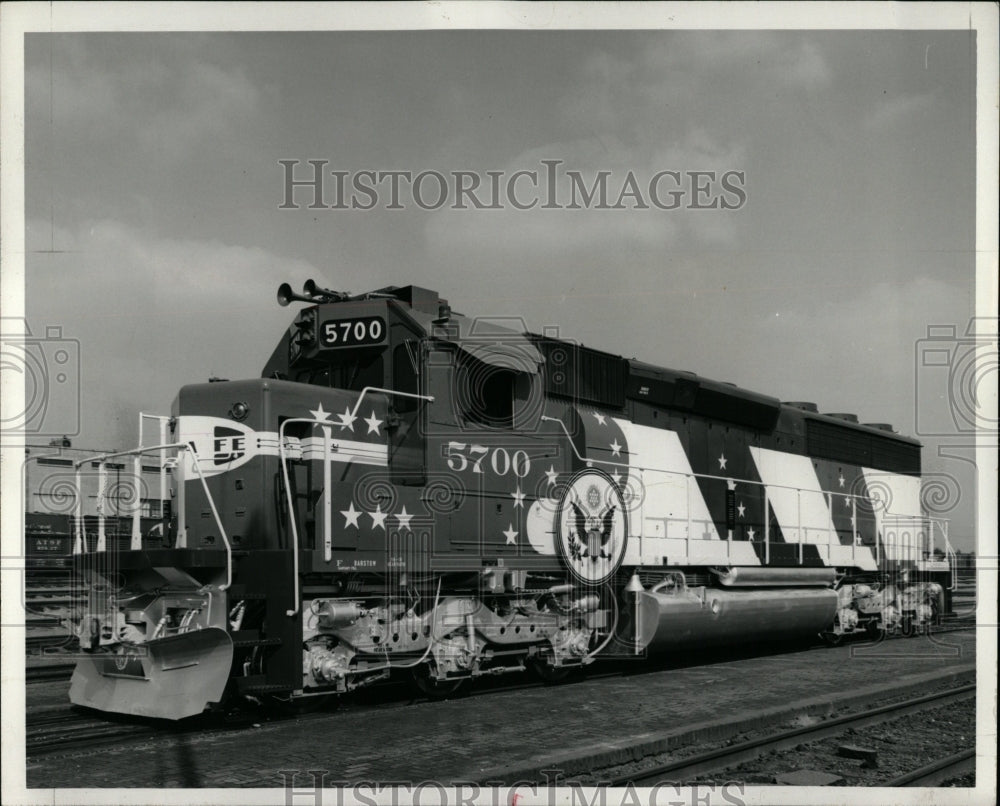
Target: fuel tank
{"x": 706, "y": 616}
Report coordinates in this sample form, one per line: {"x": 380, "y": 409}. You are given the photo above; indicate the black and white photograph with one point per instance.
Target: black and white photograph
{"x": 499, "y": 403}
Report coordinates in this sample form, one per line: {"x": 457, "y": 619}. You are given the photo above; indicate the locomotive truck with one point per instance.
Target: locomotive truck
{"x": 405, "y": 489}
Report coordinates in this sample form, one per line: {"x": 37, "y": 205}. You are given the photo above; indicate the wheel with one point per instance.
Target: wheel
{"x": 546, "y": 672}
{"x": 296, "y": 706}
{"x": 875, "y": 632}
{"x": 430, "y": 686}
{"x": 832, "y": 638}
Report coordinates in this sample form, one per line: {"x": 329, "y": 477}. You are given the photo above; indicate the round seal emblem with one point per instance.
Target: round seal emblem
{"x": 591, "y": 527}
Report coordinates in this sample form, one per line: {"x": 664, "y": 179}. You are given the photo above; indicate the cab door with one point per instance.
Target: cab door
{"x": 407, "y": 450}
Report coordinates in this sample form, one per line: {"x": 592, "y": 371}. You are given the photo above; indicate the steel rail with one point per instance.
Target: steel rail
{"x": 938, "y": 771}
{"x": 38, "y": 674}
{"x": 714, "y": 760}
{"x": 60, "y": 737}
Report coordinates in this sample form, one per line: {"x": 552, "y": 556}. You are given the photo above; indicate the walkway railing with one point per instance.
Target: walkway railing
{"x": 916, "y": 548}
{"x": 102, "y": 459}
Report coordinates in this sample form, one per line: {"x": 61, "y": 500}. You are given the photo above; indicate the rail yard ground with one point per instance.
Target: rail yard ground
{"x": 507, "y": 730}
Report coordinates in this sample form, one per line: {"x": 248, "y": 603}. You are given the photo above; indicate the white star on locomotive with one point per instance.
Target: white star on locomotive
{"x": 378, "y": 517}
{"x": 751, "y": 533}
{"x": 373, "y": 424}
{"x": 347, "y": 419}
{"x": 741, "y": 509}
{"x": 722, "y": 462}
{"x": 616, "y": 449}
{"x": 841, "y": 480}
{"x": 351, "y": 516}
{"x": 600, "y": 418}
{"x": 510, "y": 534}
{"x": 551, "y": 475}
{"x": 319, "y": 414}
{"x": 518, "y": 497}
{"x": 404, "y": 518}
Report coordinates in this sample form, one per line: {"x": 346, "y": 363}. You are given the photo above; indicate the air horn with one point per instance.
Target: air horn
{"x": 313, "y": 294}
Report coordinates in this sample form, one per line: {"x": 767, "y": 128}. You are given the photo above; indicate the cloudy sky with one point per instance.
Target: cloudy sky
{"x": 155, "y": 236}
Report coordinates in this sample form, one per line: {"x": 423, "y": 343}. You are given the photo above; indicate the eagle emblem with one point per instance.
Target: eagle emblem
{"x": 591, "y": 526}
{"x": 592, "y": 541}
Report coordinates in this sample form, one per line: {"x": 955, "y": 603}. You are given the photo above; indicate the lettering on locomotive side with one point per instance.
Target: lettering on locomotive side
{"x": 228, "y": 445}
{"x": 353, "y": 565}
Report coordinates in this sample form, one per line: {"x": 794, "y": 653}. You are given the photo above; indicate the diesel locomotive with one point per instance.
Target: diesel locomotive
{"x": 405, "y": 489}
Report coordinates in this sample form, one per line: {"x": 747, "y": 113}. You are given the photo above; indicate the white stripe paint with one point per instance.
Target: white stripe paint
{"x": 898, "y": 517}
{"x": 671, "y": 518}
{"x": 801, "y": 506}
{"x": 201, "y": 431}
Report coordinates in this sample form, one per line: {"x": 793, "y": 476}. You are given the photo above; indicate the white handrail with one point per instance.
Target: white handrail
{"x": 137, "y": 472}
{"x": 853, "y": 497}
{"x": 708, "y": 476}
{"x": 367, "y": 389}
{"x": 136, "y": 543}
{"x": 102, "y": 480}
{"x": 187, "y": 446}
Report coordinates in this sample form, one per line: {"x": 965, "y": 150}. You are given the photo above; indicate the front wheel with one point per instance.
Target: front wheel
{"x": 430, "y": 686}
{"x": 297, "y": 706}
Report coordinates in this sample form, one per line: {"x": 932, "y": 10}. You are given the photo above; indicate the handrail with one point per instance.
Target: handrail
{"x": 949, "y": 552}
{"x": 327, "y": 425}
{"x": 102, "y": 458}
{"x": 854, "y": 498}
{"x": 163, "y": 421}
{"x": 708, "y": 476}
{"x": 367, "y": 389}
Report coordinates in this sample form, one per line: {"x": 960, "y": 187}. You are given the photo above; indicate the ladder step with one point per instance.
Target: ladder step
{"x": 242, "y": 638}
{"x": 237, "y": 592}
{"x": 257, "y": 683}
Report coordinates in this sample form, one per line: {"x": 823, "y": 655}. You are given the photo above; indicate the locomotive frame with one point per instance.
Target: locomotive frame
{"x": 511, "y": 500}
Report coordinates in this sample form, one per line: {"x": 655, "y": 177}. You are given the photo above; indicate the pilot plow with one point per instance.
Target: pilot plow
{"x": 169, "y": 678}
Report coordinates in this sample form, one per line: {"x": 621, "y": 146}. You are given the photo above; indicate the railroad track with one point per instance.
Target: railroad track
{"x": 687, "y": 769}
{"x": 937, "y": 772}
{"x": 54, "y": 671}
{"x": 48, "y": 641}
{"x": 67, "y": 729}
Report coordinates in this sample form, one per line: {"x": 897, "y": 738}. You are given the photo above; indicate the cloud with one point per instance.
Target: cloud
{"x": 746, "y": 57}
{"x": 897, "y": 111}
{"x": 658, "y": 87}
{"x": 166, "y": 102}
{"x": 538, "y": 232}
{"x": 153, "y": 312}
